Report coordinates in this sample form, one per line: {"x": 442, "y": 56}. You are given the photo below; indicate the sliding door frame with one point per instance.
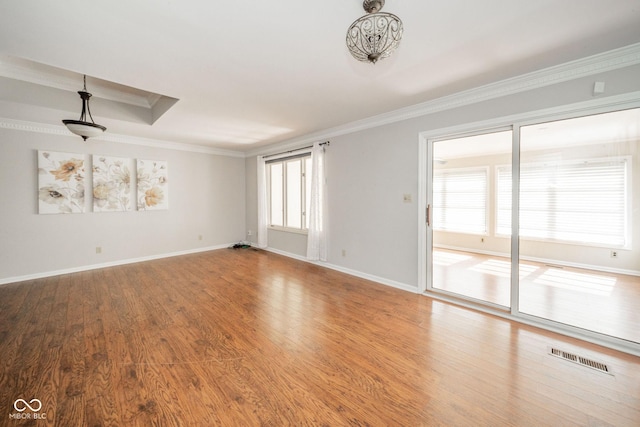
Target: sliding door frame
{"x": 429, "y": 215}
{"x": 425, "y": 235}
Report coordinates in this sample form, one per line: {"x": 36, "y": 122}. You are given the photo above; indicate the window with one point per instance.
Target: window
{"x": 288, "y": 192}
{"x": 583, "y": 201}
{"x": 460, "y": 200}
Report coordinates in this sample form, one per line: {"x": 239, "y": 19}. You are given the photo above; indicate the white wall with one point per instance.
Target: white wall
{"x": 206, "y": 197}
{"x": 369, "y": 171}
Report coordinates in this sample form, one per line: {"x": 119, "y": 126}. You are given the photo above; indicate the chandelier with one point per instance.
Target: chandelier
{"x": 82, "y": 127}
{"x": 376, "y": 35}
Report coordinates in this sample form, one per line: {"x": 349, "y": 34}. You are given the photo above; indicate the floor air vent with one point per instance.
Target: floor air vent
{"x": 598, "y": 366}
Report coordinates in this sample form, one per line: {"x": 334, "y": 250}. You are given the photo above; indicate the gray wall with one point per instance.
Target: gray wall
{"x": 206, "y": 197}
{"x": 369, "y": 171}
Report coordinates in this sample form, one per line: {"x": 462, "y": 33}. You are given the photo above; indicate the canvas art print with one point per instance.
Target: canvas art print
{"x": 153, "y": 185}
{"x": 60, "y": 182}
{"x": 111, "y": 184}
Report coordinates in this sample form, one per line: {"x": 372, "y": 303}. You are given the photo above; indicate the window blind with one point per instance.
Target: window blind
{"x": 460, "y": 200}
{"x": 582, "y": 202}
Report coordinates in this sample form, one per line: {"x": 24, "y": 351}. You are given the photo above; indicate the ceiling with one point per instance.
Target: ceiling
{"x": 242, "y": 74}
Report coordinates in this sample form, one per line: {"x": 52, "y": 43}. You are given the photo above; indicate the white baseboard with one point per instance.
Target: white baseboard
{"x": 377, "y": 279}
{"x": 351, "y": 272}
{"x": 473, "y": 250}
{"x": 547, "y": 261}
{"x": 107, "y": 264}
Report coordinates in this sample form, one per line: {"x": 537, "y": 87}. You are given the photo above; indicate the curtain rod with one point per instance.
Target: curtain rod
{"x": 294, "y": 150}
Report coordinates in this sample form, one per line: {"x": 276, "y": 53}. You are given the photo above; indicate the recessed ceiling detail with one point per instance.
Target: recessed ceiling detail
{"x": 30, "y": 76}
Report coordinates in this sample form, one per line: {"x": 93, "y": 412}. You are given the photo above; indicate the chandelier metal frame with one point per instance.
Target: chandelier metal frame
{"x": 376, "y": 35}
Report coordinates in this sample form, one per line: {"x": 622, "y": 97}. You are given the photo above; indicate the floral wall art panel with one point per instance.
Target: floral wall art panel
{"x": 60, "y": 182}
{"x": 153, "y": 185}
{"x": 111, "y": 184}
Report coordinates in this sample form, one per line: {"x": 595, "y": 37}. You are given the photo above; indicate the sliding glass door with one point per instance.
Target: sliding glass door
{"x": 576, "y": 210}
{"x": 578, "y": 254}
{"x": 469, "y": 259}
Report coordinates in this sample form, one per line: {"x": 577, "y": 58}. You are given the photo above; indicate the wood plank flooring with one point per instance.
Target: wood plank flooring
{"x": 597, "y": 301}
{"x": 250, "y": 338}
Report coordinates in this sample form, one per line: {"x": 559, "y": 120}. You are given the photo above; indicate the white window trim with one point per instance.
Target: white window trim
{"x": 283, "y": 159}
{"x": 288, "y": 229}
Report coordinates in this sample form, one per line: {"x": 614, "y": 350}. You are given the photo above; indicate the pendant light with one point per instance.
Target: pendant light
{"x": 82, "y": 127}
{"x": 376, "y": 35}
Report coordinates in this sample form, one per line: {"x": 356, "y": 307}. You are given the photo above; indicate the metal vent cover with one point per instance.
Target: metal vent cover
{"x": 598, "y": 366}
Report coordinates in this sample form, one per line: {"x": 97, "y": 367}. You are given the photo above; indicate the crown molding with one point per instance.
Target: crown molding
{"x": 20, "y": 125}
{"x": 12, "y": 124}
{"x": 596, "y": 64}
{"x": 608, "y": 61}
{"x": 600, "y": 63}
{"x": 566, "y": 111}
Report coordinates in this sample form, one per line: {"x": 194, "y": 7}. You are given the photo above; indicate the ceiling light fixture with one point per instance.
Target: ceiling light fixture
{"x": 82, "y": 127}
{"x": 376, "y": 35}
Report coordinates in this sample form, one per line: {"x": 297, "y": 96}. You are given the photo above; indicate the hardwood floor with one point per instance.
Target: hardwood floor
{"x": 247, "y": 337}
{"x": 598, "y": 301}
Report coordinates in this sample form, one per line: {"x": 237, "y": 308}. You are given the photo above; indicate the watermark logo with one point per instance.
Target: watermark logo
{"x": 21, "y": 405}
{"x": 34, "y": 406}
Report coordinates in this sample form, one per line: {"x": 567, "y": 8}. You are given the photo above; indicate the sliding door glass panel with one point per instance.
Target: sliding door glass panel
{"x": 579, "y": 254}
{"x": 469, "y": 258}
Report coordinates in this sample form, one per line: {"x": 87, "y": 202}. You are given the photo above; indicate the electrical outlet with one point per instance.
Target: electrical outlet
{"x": 406, "y": 198}
{"x": 344, "y": 252}
{"x": 614, "y": 254}
{"x": 199, "y": 236}
{"x": 98, "y": 249}
{"x": 249, "y": 233}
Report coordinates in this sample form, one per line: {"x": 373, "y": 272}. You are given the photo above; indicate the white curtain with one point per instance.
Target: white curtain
{"x": 262, "y": 203}
{"x": 316, "y": 238}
